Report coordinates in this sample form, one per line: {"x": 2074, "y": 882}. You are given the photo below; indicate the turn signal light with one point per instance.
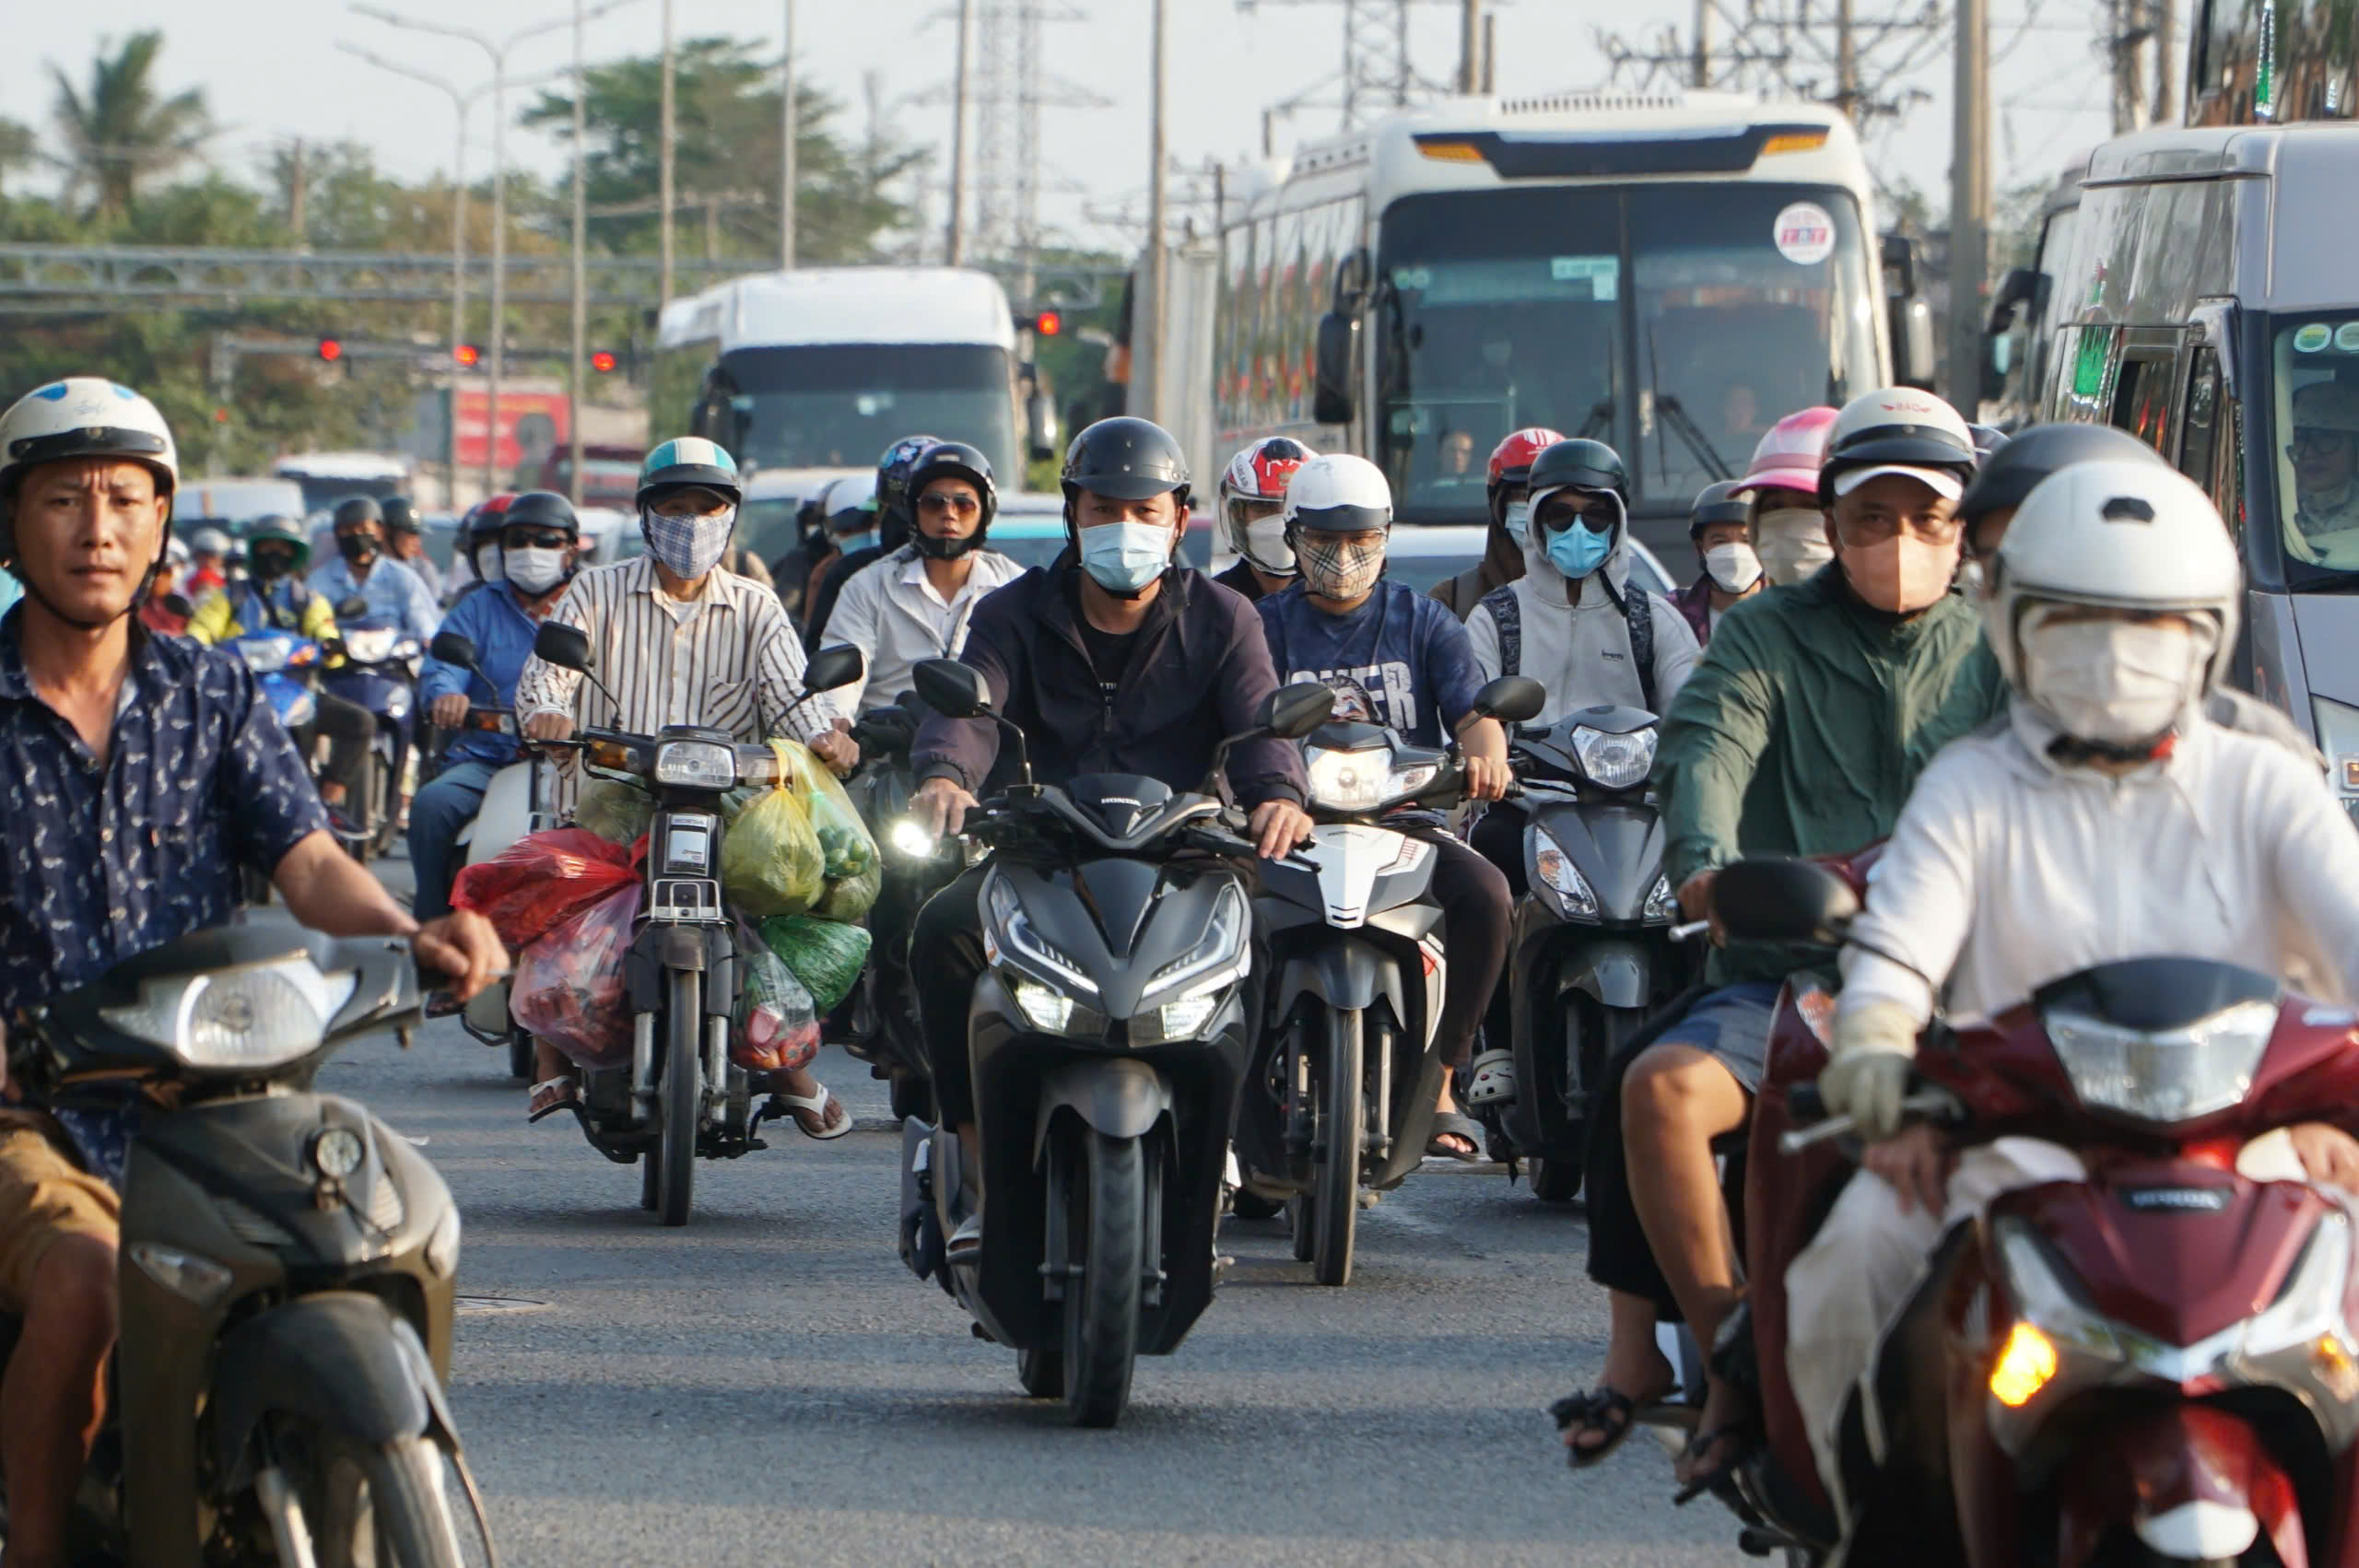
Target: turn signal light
{"x": 1794, "y": 141}
{"x": 2026, "y": 1363}
{"x": 1451, "y": 152}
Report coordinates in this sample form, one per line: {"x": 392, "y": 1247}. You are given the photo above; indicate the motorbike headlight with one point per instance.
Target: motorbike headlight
{"x": 1010, "y": 932}
{"x": 2167, "y": 1075}
{"x": 370, "y": 645}
{"x": 1662, "y": 903}
{"x": 259, "y": 1015}
{"x": 1052, "y": 1011}
{"x": 1556, "y": 870}
{"x": 267, "y": 658}
{"x": 2338, "y": 732}
{"x": 1614, "y": 762}
{"x": 1362, "y": 780}
{"x": 696, "y": 765}
{"x": 908, "y": 838}
{"x": 1219, "y": 957}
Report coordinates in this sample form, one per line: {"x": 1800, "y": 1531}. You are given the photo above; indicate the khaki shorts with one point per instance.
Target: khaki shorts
{"x": 44, "y": 1196}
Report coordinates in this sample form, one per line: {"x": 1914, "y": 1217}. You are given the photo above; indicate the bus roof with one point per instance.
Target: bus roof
{"x": 844, "y": 305}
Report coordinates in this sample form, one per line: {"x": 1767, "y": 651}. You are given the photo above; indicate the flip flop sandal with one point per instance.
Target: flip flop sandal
{"x": 1604, "y": 1409}
{"x": 1492, "y": 1079}
{"x": 816, "y": 1104}
{"x": 551, "y": 1095}
{"x": 1449, "y": 1124}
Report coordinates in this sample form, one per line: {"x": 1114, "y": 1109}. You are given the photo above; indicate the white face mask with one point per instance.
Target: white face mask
{"x": 533, "y": 570}
{"x": 1519, "y": 521}
{"x": 1734, "y": 568}
{"x": 1266, "y": 546}
{"x": 2114, "y": 682}
{"x": 1791, "y": 542}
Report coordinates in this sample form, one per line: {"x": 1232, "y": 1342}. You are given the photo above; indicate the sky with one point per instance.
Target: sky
{"x": 272, "y": 73}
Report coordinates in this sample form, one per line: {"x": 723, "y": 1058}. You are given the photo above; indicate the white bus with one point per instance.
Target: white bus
{"x": 1670, "y": 274}
{"x": 826, "y": 367}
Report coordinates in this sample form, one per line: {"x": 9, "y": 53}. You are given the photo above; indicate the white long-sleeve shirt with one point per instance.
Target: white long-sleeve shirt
{"x": 891, "y": 612}
{"x": 2008, "y": 869}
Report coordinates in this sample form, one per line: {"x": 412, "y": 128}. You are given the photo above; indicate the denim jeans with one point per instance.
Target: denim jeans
{"x": 436, "y": 815}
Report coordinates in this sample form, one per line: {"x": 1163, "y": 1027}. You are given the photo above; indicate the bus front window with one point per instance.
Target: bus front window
{"x": 837, "y": 405}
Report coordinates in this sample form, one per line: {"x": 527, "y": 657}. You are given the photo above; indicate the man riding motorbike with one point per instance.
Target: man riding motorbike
{"x": 677, "y": 640}
{"x": 1252, "y": 493}
{"x": 1404, "y": 661}
{"x": 209, "y": 563}
{"x": 1507, "y": 493}
{"x": 1115, "y": 659}
{"x": 540, "y": 547}
{"x": 2106, "y": 819}
{"x": 1720, "y": 527}
{"x": 1789, "y": 522}
{"x": 893, "y": 524}
{"x": 395, "y": 595}
{"x": 145, "y": 775}
{"x": 405, "y": 543}
{"x": 477, "y": 560}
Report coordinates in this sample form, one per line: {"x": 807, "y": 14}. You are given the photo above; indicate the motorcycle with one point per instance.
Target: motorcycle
{"x": 1352, "y": 1066}
{"x": 378, "y": 673}
{"x": 1109, "y": 1036}
{"x": 2158, "y": 1363}
{"x": 1591, "y": 956}
{"x": 680, "y": 1098}
{"x": 286, "y": 1262}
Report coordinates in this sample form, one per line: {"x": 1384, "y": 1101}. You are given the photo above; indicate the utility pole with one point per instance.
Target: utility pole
{"x": 1158, "y": 267}
{"x": 299, "y": 186}
{"x": 580, "y": 398}
{"x": 954, "y": 248}
{"x": 1846, "y": 63}
{"x": 2165, "y": 107}
{"x": 1701, "y": 76}
{"x": 667, "y": 148}
{"x": 786, "y": 150}
{"x": 1469, "y": 47}
{"x": 1969, "y": 203}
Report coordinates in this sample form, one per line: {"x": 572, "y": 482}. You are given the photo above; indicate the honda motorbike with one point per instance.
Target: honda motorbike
{"x": 2158, "y": 1363}
{"x": 1108, "y": 1036}
{"x": 379, "y": 673}
{"x": 1591, "y": 955}
{"x": 680, "y": 1097}
{"x": 286, "y": 1263}
{"x": 1343, "y": 1091}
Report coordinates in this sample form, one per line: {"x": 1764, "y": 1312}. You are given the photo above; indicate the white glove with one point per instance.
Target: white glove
{"x": 1875, "y": 1046}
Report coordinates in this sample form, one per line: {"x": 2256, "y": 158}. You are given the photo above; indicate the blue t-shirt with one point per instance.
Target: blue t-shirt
{"x": 1400, "y": 659}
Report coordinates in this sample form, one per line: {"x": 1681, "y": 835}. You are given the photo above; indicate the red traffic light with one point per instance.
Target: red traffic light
{"x": 331, "y": 350}
{"x": 1049, "y": 324}
{"x": 602, "y": 362}
{"x": 465, "y": 356}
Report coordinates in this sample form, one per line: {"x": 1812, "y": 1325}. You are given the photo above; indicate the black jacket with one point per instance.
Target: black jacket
{"x": 1240, "y": 578}
{"x": 820, "y": 597}
{"x": 1199, "y": 670}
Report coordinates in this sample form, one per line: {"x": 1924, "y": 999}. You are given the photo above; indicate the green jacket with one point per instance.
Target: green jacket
{"x": 1803, "y": 728}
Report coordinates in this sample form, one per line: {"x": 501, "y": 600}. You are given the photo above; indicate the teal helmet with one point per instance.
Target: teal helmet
{"x": 688, "y": 461}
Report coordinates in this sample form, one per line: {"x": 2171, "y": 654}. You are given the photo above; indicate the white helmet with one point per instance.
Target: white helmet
{"x": 1897, "y": 430}
{"x": 1337, "y": 492}
{"x": 1259, "y": 474}
{"x": 84, "y": 416}
{"x": 209, "y": 542}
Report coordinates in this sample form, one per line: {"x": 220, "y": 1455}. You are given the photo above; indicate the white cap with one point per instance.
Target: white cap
{"x": 1941, "y": 481}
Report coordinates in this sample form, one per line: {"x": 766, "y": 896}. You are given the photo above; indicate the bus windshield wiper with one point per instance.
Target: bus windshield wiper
{"x": 1601, "y": 419}
{"x": 1669, "y": 411}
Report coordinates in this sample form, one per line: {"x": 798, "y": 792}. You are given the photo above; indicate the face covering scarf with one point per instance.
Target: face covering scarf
{"x": 1901, "y": 575}
{"x": 1123, "y": 558}
{"x": 1732, "y": 567}
{"x": 688, "y": 546}
{"x": 1334, "y": 570}
{"x": 1266, "y": 546}
{"x": 357, "y": 549}
{"x": 533, "y": 570}
{"x": 1791, "y": 543}
{"x": 2113, "y": 683}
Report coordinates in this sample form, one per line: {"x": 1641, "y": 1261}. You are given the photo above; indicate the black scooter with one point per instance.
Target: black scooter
{"x": 1109, "y": 1037}
{"x": 885, "y": 1031}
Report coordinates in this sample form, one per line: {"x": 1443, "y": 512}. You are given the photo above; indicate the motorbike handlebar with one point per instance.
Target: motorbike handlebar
{"x": 1803, "y": 1100}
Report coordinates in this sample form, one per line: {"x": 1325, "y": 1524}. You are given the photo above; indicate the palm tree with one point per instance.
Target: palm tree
{"x": 118, "y": 132}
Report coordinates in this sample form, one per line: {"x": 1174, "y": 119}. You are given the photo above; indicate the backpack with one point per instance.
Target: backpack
{"x": 1507, "y": 614}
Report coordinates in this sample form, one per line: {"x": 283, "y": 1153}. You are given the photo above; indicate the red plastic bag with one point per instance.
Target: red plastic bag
{"x": 569, "y": 986}
{"x": 544, "y": 880}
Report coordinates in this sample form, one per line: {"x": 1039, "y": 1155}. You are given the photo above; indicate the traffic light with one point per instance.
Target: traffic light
{"x": 1049, "y": 324}
{"x": 604, "y": 362}
{"x": 465, "y": 356}
{"x": 331, "y": 350}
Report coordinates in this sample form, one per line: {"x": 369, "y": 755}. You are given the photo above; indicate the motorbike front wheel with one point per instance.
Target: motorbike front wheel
{"x": 1334, "y": 1205}
{"x": 360, "y": 1506}
{"x": 680, "y": 1101}
{"x": 1105, "y": 1198}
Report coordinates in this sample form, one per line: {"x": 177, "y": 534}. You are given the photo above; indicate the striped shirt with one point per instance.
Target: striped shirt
{"x": 728, "y": 660}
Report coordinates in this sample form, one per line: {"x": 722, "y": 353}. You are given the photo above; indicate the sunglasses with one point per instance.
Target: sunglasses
{"x": 534, "y": 539}
{"x": 936, "y": 501}
{"x": 1597, "y": 520}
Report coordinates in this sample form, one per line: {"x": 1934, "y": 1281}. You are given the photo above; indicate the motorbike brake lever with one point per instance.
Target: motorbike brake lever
{"x": 1689, "y": 931}
{"x": 1932, "y": 1104}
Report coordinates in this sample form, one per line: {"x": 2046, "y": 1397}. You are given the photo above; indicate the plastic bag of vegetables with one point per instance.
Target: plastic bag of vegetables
{"x": 826, "y": 955}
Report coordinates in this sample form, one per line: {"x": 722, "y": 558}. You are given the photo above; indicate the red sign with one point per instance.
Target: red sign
{"x": 531, "y": 426}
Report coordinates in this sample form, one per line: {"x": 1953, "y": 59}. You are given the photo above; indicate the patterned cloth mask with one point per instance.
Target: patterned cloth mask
{"x": 1334, "y": 570}
{"x": 688, "y": 546}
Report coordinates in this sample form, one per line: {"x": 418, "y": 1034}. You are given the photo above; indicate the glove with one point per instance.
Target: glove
{"x": 1875, "y": 1047}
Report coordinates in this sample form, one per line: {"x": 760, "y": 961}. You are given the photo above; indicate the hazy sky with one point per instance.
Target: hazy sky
{"x": 272, "y": 72}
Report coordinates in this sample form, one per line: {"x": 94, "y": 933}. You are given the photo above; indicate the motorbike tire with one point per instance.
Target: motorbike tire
{"x": 912, "y": 1098}
{"x": 382, "y": 1506}
{"x": 648, "y": 1165}
{"x": 1042, "y": 1372}
{"x": 680, "y": 1100}
{"x": 1105, "y": 1198}
{"x": 520, "y": 1055}
{"x": 1553, "y": 1181}
{"x": 1334, "y": 1207}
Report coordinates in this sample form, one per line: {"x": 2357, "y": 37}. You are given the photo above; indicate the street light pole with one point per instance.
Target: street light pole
{"x": 955, "y": 246}
{"x": 1158, "y": 268}
{"x": 786, "y": 150}
{"x": 581, "y": 280}
{"x": 666, "y": 151}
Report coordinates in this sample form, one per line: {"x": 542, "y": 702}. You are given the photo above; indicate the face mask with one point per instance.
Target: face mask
{"x": 269, "y": 566}
{"x": 1519, "y": 522}
{"x": 357, "y": 549}
{"x": 1902, "y": 574}
{"x": 1734, "y": 568}
{"x": 1123, "y": 558}
{"x": 688, "y": 546}
{"x": 1335, "y": 570}
{"x": 489, "y": 566}
{"x": 2114, "y": 682}
{"x": 1791, "y": 542}
{"x": 533, "y": 570}
{"x": 853, "y": 542}
{"x": 1576, "y": 552}
{"x": 1265, "y": 547}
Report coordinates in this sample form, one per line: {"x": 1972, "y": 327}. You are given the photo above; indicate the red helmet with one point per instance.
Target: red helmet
{"x": 1259, "y": 475}
{"x": 1511, "y": 459}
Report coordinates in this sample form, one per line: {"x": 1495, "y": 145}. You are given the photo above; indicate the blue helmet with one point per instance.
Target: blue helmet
{"x": 688, "y": 461}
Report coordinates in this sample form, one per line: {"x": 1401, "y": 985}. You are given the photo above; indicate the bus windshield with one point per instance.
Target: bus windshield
{"x": 1676, "y": 323}
{"x": 2314, "y": 413}
{"x": 837, "y": 405}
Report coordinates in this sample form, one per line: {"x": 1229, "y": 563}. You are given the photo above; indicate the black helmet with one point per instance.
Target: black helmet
{"x": 959, "y": 460}
{"x": 1988, "y": 440}
{"x": 544, "y": 509}
{"x": 358, "y": 508}
{"x": 401, "y": 517}
{"x": 1584, "y": 465}
{"x": 893, "y": 517}
{"x": 2036, "y": 453}
{"x": 1723, "y": 501}
{"x": 1128, "y": 459}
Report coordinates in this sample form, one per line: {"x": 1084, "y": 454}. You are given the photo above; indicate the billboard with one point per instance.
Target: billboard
{"x": 531, "y": 426}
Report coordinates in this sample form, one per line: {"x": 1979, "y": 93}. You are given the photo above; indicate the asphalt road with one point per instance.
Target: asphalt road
{"x": 770, "y": 1384}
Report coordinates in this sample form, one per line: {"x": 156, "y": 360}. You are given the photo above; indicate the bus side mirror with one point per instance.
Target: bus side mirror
{"x": 1040, "y": 425}
{"x": 1912, "y": 342}
{"x": 2018, "y": 289}
{"x": 1331, "y": 398}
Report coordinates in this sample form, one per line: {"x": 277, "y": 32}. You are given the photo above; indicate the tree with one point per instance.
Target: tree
{"x": 19, "y": 148}
{"x": 119, "y": 130}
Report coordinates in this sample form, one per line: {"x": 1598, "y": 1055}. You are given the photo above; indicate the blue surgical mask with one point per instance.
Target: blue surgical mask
{"x": 1576, "y": 552}
{"x": 1123, "y": 558}
{"x": 1519, "y": 521}
{"x": 850, "y": 542}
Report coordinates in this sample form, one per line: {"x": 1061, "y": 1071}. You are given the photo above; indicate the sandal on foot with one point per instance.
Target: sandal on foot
{"x": 1451, "y": 1124}
{"x": 1719, "y": 1480}
{"x": 813, "y": 1105}
{"x": 1601, "y": 1409}
{"x": 551, "y": 1095}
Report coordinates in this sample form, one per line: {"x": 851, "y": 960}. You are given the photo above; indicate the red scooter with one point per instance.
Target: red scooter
{"x": 2157, "y": 1364}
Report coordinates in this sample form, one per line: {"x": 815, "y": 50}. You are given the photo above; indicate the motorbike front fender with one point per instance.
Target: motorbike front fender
{"x": 1114, "y": 1096}
{"x": 2195, "y": 1481}
{"x": 340, "y": 1360}
{"x": 1343, "y": 975}
{"x": 1618, "y": 973}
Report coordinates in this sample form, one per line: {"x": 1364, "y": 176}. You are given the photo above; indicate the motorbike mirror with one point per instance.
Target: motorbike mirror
{"x": 566, "y": 646}
{"x": 952, "y": 689}
{"x": 1291, "y": 712}
{"x": 1768, "y": 900}
{"x": 834, "y": 667}
{"x": 452, "y": 648}
{"x": 351, "y": 607}
{"x": 1515, "y": 699}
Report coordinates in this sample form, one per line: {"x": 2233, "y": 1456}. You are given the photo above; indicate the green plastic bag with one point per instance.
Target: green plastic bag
{"x": 843, "y": 838}
{"x": 770, "y": 862}
{"x": 615, "y": 810}
{"x": 850, "y": 897}
{"x": 826, "y": 955}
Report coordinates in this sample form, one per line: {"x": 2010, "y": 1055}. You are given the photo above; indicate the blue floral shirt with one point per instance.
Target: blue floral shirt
{"x": 101, "y": 861}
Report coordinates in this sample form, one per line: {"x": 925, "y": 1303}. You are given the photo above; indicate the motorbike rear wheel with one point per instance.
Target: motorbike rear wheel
{"x": 1105, "y": 1198}
{"x": 1334, "y": 1207}
{"x": 680, "y": 1101}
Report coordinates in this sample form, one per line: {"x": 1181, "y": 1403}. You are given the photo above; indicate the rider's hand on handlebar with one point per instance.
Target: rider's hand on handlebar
{"x": 942, "y": 805}
{"x": 1487, "y": 778}
{"x": 1276, "y": 826}
{"x": 1695, "y": 903}
{"x": 450, "y": 709}
{"x": 838, "y": 749}
{"x": 2329, "y": 1156}
{"x": 549, "y": 727}
{"x": 1916, "y": 1164}
{"x": 464, "y": 945}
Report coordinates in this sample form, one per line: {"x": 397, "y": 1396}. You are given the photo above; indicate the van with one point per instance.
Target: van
{"x": 230, "y": 504}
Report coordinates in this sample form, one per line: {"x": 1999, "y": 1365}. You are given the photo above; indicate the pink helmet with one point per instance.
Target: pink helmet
{"x": 1790, "y": 453}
